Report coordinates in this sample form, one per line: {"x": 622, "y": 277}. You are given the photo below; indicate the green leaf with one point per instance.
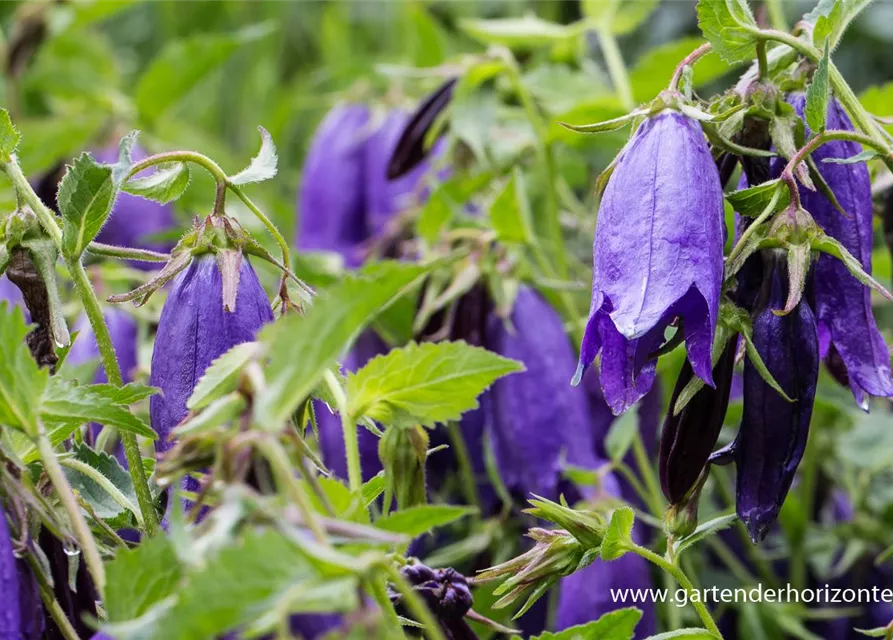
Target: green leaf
{"x": 614, "y": 625}
{"x": 373, "y": 488}
{"x": 414, "y": 521}
{"x": 621, "y": 435}
{"x": 9, "y": 136}
{"x": 655, "y": 67}
{"x": 877, "y": 632}
{"x": 832, "y": 17}
{"x": 164, "y": 185}
{"x": 685, "y": 634}
{"x": 436, "y": 213}
{"x": 525, "y": 33}
{"x": 220, "y": 412}
{"x": 818, "y": 93}
{"x": 22, "y": 382}
{"x": 827, "y": 244}
{"x": 104, "y": 505}
{"x": 86, "y": 195}
{"x": 425, "y": 384}
{"x": 862, "y": 156}
{"x": 703, "y": 530}
{"x": 65, "y": 403}
{"x": 618, "y": 537}
{"x": 728, "y": 25}
{"x": 222, "y": 377}
{"x": 754, "y": 200}
{"x": 510, "y": 212}
{"x": 183, "y": 64}
{"x": 301, "y": 348}
{"x": 618, "y": 16}
{"x": 138, "y": 578}
{"x": 263, "y": 166}
{"x": 128, "y": 394}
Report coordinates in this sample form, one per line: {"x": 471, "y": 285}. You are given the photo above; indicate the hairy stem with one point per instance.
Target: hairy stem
{"x": 113, "y": 373}
{"x": 349, "y": 431}
{"x": 78, "y": 523}
{"x": 180, "y": 156}
{"x": 126, "y": 253}
{"x": 23, "y": 188}
{"x": 688, "y": 60}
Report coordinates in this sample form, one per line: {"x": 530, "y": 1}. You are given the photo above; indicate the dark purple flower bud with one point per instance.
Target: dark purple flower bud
{"x": 446, "y": 594}
{"x": 10, "y": 612}
{"x": 331, "y": 201}
{"x": 537, "y": 420}
{"x": 773, "y": 433}
{"x": 658, "y": 257}
{"x": 688, "y": 437}
{"x": 194, "y": 330}
{"x": 136, "y": 221}
{"x": 842, "y": 303}
{"x": 386, "y": 198}
{"x": 123, "y": 330}
{"x": 410, "y": 150}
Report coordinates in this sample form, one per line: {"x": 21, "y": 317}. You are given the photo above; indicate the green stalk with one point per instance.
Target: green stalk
{"x": 616, "y": 68}
{"x": 24, "y": 190}
{"x": 647, "y": 473}
{"x": 113, "y": 373}
{"x": 683, "y": 581}
{"x": 81, "y": 529}
{"x": 349, "y": 431}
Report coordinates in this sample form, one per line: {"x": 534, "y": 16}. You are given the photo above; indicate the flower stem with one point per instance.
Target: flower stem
{"x": 683, "y": 581}
{"x": 349, "y": 431}
{"x": 24, "y": 190}
{"x": 616, "y": 68}
{"x": 179, "y": 156}
{"x": 113, "y": 373}
{"x": 274, "y": 231}
{"x": 126, "y": 253}
{"x": 415, "y": 604}
{"x": 647, "y": 473}
{"x": 762, "y": 61}
{"x": 81, "y": 530}
{"x": 688, "y": 60}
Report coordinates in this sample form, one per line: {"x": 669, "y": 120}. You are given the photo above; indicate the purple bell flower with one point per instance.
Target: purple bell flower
{"x": 194, "y": 330}
{"x": 537, "y": 420}
{"x": 657, "y": 257}
{"x": 134, "y": 220}
{"x": 846, "y": 323}
{"x": 773, "y": 433}
{"x": 10, "y": 615}
{"x": 331, "y": 200}
{"x": 123, "y": 330}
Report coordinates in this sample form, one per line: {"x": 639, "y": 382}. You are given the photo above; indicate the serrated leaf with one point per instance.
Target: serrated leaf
{"x": 427, "y": 384}
{"x": 138, "y": 578}
{"x": 832, "y": 17}
{"x": 618, "y": 537}
{"x": 86, "y": 195}
{"x": 222, "y": 377}
{"x": 754, "y": 200}
{"x": 65, "y": 403}
{"x": 302, "y": 348}
{"x": 414, "y": 521}
{"x": 436, "y": 213}
{"x": 527, "y": 32}
{"x": 125, "y": 158}
{"x": 728, "y": 25}
{"x": 130, "y": 393}
{"x": 704, "y": 530}
{"x": 22, "y": 382}
{"x": 827, "y": 244}
{"x": 510, "y": 212}
{"x": 818, "y": 94}
{"x": 183, "y": 64}
{"x": 9, "y": 136}
{"x": 614, "y": 625}
{"x": 103, "y": 504}
{"x": 164, "y": 185}
{"x": 263, "y": 166}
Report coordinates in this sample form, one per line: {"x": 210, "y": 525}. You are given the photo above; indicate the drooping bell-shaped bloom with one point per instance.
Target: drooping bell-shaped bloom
{"x": 123, "y": 330}
{"x": 842, "y": 303}
{"x": 332, "y": 200}
{"x": 657, "y": 257}
{"x": 194, "y": 330}
{"x": 10, "y": 612}
{"x": 537, "y": 420}
{"x": 386, "y": 198}
{"x": 136, "y": 222}
{"x": 773, "y": 432}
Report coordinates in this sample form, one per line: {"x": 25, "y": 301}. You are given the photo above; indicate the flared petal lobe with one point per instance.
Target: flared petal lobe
{"x": 194, "y": 330}
{"x": 773, "y": 431}
{"x": 842, "y": 303}
{"x": 537, "y": 420}
{"x": 657, "y": 257}
{"x": 331, "y": 201}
